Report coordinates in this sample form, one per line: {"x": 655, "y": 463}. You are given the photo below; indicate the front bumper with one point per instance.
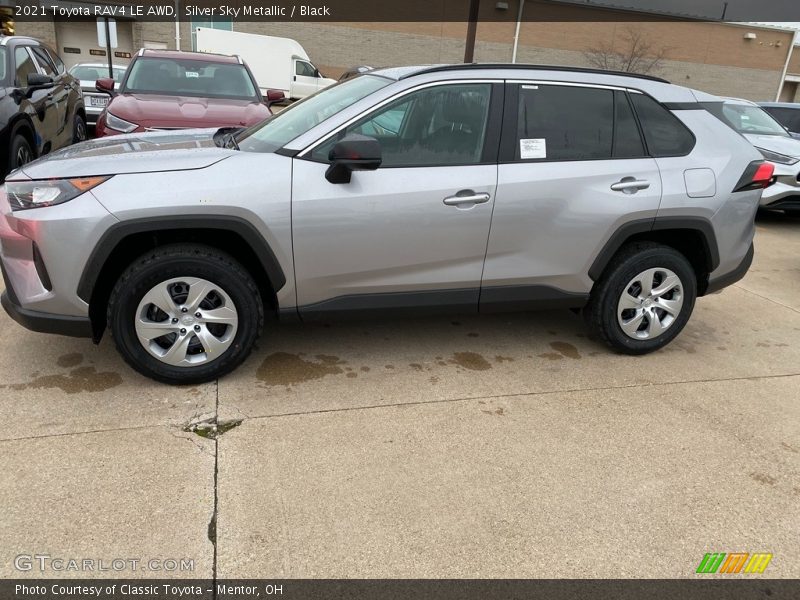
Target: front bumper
{"x": 785, "y": 192}
{"x": 44, "y": 322}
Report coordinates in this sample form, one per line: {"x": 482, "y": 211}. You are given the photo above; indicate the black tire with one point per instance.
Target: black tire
{"x": 176, "y": 261}
{"x": 78, "y": 129}
{"x": 601, "y": 312}
{"x": 20, "y": 152}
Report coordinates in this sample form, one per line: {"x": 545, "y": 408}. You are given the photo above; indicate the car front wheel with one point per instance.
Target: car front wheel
{"x": 20, "y": 152}
{"x": 185, "y": 314}
{"x": 643, "y": 300}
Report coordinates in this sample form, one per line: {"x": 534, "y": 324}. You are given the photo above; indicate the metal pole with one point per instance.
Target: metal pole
{"x": 472, "y": 29}
{"x": 177, "y": 25}
{"x": 786, "y": 66}
{"x": 108, "y": 48}
{"x": 516, "y": 32}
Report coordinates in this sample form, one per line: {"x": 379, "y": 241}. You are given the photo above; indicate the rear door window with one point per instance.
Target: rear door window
{"x": 569, "y": 123}
{"x": 664, "y": 133}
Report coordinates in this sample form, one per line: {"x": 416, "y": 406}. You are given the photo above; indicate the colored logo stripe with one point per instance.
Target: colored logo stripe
{"x": 734, "y": 562}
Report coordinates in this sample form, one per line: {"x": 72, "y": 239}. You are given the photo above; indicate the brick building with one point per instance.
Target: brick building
{"x": 721, "y": 58}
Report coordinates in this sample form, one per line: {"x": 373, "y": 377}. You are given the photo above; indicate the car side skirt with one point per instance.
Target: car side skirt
{"x": 430, "y": 302}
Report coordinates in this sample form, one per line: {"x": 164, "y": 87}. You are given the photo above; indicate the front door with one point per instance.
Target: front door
{"x": 414, "y": 231}
{"x": 305, "y": 81}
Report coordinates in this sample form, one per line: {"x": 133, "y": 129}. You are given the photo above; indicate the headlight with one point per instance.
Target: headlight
{"x": 114, "y": 122}
{"x": 781, "y": 159}
{"x": 37, "y": 194}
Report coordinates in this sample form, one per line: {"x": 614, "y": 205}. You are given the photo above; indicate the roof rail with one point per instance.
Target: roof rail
{"x": 522, "y": 66}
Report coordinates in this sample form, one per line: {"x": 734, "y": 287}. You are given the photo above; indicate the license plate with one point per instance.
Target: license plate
{"x": 98, "y": 101}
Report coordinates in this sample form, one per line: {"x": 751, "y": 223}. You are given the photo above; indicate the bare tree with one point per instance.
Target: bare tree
{"x": 636, "y": 54}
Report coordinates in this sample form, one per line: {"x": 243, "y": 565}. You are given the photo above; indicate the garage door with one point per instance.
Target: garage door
{"x": 77, "y": 43}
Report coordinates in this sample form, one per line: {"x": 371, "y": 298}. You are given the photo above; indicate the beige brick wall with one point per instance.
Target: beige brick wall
{"x": 713, "y": 57}
{"x": 41, "y": 30}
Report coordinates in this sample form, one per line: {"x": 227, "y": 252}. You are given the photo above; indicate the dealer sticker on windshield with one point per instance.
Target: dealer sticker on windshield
{"x": 533, "y": 148}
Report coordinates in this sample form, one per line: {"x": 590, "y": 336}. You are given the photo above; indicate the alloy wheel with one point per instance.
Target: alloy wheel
{"x": 23, "y": 156}
{"x": 650, "y": 303}
{"x": 186, "y": 321}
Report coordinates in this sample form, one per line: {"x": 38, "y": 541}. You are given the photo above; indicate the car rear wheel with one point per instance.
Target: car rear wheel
{"x": 185, "y": 314}
{"x": 643, "y": 300}
{"x": 78, "y": 129}
{"x": 20, "y": 152}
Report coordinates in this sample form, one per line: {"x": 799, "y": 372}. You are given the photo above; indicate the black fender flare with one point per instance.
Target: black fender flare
{"x": 626, "y": 230}
{"x": 116, "y": 233}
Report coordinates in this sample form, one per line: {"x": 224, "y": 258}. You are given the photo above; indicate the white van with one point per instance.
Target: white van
{"x": 277, "y": 63}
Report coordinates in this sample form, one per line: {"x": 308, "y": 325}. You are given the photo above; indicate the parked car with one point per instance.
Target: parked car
{"x": 41, "y": 108}
{"x": 164, "y": 89}
{"x": 277, "y": 63}
{"x": 608, "y": 192}
{"x": 775, "y": 144}
{"x": 88, "y": 74}
{"x": 354, "y": 72}
{"x": 786, "y": 113}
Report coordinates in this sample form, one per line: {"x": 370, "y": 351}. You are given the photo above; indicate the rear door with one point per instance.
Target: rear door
{"x": 412, "y": 233}
{"x": 573, "y": 168}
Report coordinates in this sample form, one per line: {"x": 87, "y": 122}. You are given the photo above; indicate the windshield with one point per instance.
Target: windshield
{"x": 92, "y": 73}
{"x": 746, "y": 118}
{"x": 301, "y": 116}
{"x": 199, "y": 78}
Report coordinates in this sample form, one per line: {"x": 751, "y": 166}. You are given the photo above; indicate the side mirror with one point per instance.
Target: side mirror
{"x": 105, "y": 85}
{"x": 317, "y": 73}
{"x": 274, "y": 96}
{"x": 37, "y": 81}
{"x": 353, "y": 152}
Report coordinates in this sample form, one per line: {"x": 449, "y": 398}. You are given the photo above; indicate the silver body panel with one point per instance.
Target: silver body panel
{"x": 387, "y": 231}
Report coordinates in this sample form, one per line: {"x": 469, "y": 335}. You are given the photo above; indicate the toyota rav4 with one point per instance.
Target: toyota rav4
{"x": 452, "y": 188}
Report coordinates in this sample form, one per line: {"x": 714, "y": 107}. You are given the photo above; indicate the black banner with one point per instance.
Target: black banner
{"x": 406, "y": 10}
{"x": 712, "y": 588}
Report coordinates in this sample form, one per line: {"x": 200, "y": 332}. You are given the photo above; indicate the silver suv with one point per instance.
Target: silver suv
{"x": 452, "y": 188}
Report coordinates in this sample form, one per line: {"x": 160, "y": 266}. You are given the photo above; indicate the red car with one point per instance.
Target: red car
{"x": 165, "y": 89}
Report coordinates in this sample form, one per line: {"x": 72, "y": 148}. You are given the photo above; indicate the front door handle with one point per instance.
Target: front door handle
{"x": 630, "y": 185}
{"x": 466, "y": 197}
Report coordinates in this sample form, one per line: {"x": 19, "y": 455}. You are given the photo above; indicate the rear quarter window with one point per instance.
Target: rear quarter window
{"x": 664, "y": 133}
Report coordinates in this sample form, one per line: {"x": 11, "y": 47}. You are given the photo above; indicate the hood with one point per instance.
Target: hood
{"x": 153, "y": 110}
{"x": 776, "y": 143}
{"x": 132, "y": 153}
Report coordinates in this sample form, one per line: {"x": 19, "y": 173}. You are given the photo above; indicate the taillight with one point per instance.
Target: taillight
{"x": 758, "y": 175}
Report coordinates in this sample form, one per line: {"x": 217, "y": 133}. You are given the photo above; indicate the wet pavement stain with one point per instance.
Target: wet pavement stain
{"x": 566, "y": 349}
{"x": 82, "y": 379}
{"x": 473, "y": 334}
{"x": 551, "y": 356}
{"x": 502, "y": 359}
{"x": 73, "y": 359}
{"x": 499, "y": 411}
{"x": 762, "y": 478}
{"x": 471, "y": 360}
{"x": 282, "y": 368}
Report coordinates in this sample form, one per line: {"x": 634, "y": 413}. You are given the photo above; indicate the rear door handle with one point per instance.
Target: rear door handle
{"x": 630, "y": 185}
{"x": 466, "y": 197}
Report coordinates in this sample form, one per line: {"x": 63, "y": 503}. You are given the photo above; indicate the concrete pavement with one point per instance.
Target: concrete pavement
{"x": 497, "y": 446}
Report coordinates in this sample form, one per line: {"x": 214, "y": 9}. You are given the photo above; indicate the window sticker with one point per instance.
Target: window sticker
{"x": 533, "y": 148}
{"x": 191, "y": 74}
